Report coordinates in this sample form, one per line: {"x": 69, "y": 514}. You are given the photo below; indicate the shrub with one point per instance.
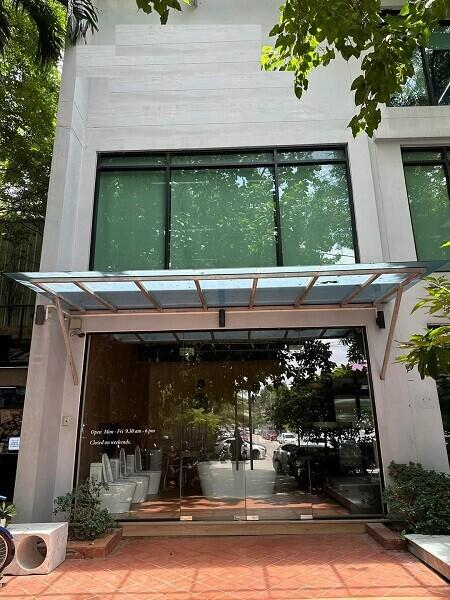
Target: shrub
{"x": 7, "y": 510}
{"x": 419, "y": 498}
{"x": 87, "y": 521}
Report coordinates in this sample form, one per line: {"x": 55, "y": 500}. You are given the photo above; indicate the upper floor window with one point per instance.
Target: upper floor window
{"x": 231, "y": 209}
{"x": 427, "y": 175}
{"x": 430, "y": 84}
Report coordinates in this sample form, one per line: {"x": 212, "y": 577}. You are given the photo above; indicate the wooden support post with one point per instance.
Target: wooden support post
{"x": 251, "y": 303}
{"x": 309, "y": 287}
{"x": 65, "y": 335}
{"x": 390, "y": 339}
{"x": 201, "y": 295}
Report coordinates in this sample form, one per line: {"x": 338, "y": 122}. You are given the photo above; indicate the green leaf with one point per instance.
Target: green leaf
{"x": 311, "y": 34}
{"x": 404, "y": 10}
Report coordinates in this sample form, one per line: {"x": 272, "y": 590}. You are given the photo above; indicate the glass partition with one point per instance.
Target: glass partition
{"x": 231, "y": 425}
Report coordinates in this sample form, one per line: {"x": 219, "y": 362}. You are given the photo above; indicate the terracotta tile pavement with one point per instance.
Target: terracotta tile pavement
{"x": 244, "y": 568}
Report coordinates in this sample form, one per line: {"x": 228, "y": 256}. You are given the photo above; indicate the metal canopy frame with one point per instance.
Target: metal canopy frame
{"x": 407, "y": 274}
{"x": 307, "y": 280}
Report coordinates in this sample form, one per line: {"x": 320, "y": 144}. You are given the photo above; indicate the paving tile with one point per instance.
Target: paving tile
{"x": 246, "y": 568}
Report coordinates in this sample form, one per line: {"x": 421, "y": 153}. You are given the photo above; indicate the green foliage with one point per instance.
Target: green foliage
{"x": 307, "y": 401}
{"x": 47, "y": 26}
{"x": 87, "y": 521}
{"x": 48, "y": 31}
{"x": 311, "y": 34}
{"x": 312, "y": 358}
{"x": 7, "y": 511}
{"x": 200, "y": 417}
{"x": 430, "y": 351}
{"x": 420, "y": 498}
{"x": 81, "y": 17}
{"x": 162, "y": 7}
{"x": 28, "y": 102}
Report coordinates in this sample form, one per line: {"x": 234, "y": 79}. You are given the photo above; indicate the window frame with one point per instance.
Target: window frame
{"x": 444, "y": 162}
{"x": 274, "y": 164}
{"x": 426, "y": 69}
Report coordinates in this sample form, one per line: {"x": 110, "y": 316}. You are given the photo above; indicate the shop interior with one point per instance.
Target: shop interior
{"x": 230, "y": 425}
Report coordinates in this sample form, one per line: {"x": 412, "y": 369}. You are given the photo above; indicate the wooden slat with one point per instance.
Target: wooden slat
{"x": 150, "y": 297}
{"x": 65, "y": 335}
{"x": 201, "y": 295}
{"x": 395, "y": 289}
{"x": 308, "y": 288}
{"x": 251, "y": 303}
{"x": 99, "y": 298}
{"x": 55, "y": 295}
{"x": 360, "y": 288}
{"x": 390, "y": 339}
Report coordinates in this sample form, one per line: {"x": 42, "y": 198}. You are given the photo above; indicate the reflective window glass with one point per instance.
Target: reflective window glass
{"x": 222, "y": 218}
{"x": 132, "y": 160}
{"x": 210, "y": 210}
{"x": 443, "y": 387}
{"x": 130, "y": 221}
{"x": 430, "y": 83}
{"x": 232, "y": 157}
{"x": 414, "y": 92}
{"x": 299, "y": 155}
{"x": 430, "y": 209}
{"x": 315, "y": 215}
{"x": 438, "y": 57}
{"x": 419, "y": 155}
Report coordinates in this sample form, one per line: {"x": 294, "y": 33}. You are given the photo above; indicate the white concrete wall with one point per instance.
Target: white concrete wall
{"x": 196, "y": 83}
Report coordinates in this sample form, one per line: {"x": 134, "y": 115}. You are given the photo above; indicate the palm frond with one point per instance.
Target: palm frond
{"x": 81, "y": 17}
{"x": 50, "y": 32}
{"x": 5, "y": 30}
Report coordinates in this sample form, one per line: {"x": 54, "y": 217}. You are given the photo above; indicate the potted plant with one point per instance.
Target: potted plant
{"x": 7, "y": 512}
{"x": 93, "y": 533}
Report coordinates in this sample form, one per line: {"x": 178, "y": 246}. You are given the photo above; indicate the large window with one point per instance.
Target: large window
{"x": 233, "y": 209}
{"x": 430, "y": 84}
{"x": 427, "y": 175}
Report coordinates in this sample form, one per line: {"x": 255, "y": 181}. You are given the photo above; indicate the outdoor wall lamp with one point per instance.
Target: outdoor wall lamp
{"x": 380, "y": 319}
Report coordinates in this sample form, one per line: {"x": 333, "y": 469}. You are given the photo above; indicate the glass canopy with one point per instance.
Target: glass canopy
{"x": 357, "y": 286}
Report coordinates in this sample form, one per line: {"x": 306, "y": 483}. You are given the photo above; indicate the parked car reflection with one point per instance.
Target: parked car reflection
{"x": 223, "y": 449}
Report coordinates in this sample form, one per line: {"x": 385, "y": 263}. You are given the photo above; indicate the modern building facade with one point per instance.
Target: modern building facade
{"x": 218, "y": 261}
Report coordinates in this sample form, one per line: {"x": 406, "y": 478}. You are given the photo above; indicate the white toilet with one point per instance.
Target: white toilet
{"x": 155, "y": 475}
{"x": 142, "y": 481}
{"x": 117, "y": 498}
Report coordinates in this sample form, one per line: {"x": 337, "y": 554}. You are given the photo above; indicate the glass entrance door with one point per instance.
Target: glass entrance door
{"x": 230, "y": 425}
{"x": 277, "y": 488}
{"x": 214, "y": 454}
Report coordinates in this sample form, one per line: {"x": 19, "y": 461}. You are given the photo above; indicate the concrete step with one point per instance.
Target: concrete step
{"x": 217, "y": 528}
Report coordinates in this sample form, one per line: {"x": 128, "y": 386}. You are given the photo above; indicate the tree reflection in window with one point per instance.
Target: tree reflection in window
{"x": 206, "y": 210}
{"x": 315, "y": 215}
{"x": 223, "y": 217}
{"x": 430, "y": 84}
{"x": 429, "y": 201}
